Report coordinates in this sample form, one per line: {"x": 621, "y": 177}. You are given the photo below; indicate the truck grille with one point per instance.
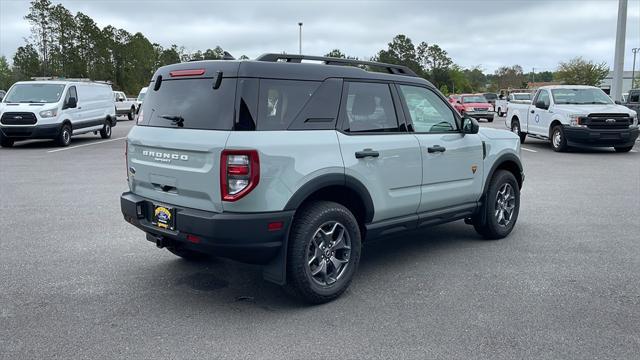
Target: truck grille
{"x": 609, "y": 121}
{"x": 18, "y": 118}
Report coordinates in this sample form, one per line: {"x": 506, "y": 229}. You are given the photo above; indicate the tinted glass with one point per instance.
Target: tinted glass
{"x": 428, "y": 112}
{"x": 193, "y": 100}
{"x": 34, "y": 93}
{"x": 543, "y": 97}
{"x": 369, "y": 107}
{"x": 280, "y": 101}
{"x": 474, "y": 99}
{"x": 634, "y": 97}
{"x": 580, "y": 96}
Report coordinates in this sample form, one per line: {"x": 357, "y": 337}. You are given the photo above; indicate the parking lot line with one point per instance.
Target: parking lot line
{"x": 93, "y": 143}
{"x": 530, "y": 150}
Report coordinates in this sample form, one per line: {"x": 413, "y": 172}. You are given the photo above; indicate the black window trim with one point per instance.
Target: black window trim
{"x": 342, "y": 113}
{"x": 456, "y": 115}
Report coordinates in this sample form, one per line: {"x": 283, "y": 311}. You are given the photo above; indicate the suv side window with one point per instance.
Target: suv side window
{"x": 634, "y": 97}
{"x": 427, "y": 110}
{"x": 280, "y": 101}
{"x": 369, "y": 107}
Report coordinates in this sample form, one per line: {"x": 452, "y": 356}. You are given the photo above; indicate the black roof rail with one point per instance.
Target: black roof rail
{"x": 292, "y": 58}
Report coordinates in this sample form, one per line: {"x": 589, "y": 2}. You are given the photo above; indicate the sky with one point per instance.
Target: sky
{"x": 485, "y": 33}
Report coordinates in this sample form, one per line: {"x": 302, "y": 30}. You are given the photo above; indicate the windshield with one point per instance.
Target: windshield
{"x": 474, "y": 99}
{"x": 580, "y": 96}
{"x": 490, "y": 96}
{"x": 141, "y": 96}
{"x": 34, "y": 93}
{"x": 521, "y": 96}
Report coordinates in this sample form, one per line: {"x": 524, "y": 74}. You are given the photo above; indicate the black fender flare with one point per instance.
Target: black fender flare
{"x": 326, "y": 180}
{"x": 496, "y": 164}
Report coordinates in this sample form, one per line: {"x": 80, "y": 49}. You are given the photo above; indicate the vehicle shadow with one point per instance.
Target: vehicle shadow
{"x": 544, "y": 146}
{"x": 222, "y": 282}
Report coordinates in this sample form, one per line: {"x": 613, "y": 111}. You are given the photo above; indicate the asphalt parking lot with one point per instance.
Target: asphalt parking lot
{"x": 78, "y": 282}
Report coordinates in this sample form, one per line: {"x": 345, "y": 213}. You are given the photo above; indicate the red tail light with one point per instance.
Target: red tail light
{"x": 191, "y": 72}
{"x": 239, "y": 173}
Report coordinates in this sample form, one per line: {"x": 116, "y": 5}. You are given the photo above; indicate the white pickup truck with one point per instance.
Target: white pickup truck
{"x": 572, "y": 115}
{"x": 502, "y": 103}
{"x": 124, "y": 106}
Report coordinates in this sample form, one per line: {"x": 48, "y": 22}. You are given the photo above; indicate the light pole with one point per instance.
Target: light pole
{"x": 633, "y": 69}
{"x": 300, "y": 39}
{"x": 618, "y": 59}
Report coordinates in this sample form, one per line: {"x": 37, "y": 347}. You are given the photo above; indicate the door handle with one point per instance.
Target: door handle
{"x": 366, "y": 153}
{"x": 436, "y": 148}
{"x": 533, "y": 111}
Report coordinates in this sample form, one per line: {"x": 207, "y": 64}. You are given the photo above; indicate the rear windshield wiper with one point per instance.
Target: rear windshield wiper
{"x": 175, "y": 119}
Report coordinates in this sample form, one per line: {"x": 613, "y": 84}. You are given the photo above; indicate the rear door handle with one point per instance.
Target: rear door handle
{"x": 366, "y": 153}
{"x": 436, "y": 148}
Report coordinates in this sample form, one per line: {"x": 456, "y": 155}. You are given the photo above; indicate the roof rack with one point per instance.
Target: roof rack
{"x": 57, "y": 78}
{"x": 391, "y": 68}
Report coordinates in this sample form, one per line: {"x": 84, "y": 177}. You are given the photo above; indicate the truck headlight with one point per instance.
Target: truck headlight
{"x": 634, "y": 121}
{"x": 49, "y": 113}
{"x": 577, "y": 120}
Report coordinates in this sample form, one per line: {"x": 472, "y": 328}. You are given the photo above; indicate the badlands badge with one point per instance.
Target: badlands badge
{"x": 474, "y": 168}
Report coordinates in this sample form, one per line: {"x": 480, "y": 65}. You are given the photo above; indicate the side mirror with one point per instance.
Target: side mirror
{"x": 72, "y": 103}
{"x": 470, "y": 125}
{"x": 541, "y": 105}
{"x": 618, "y": 102}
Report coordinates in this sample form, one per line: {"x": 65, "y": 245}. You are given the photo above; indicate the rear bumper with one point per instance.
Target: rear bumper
{"x": 601, "y": 137}
{"x": 240, "y": 236}
{"x": 49, "y": 131}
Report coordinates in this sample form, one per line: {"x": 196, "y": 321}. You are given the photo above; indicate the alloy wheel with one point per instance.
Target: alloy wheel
{"x": 505, "y": 204}
{"x": 328, "y": 253}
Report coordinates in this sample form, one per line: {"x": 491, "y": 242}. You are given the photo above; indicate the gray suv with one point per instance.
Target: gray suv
{"x": 295, "y": 164}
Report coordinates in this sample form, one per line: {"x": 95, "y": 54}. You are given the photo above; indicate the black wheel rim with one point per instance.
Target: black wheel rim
{"x": 328, "y": 253}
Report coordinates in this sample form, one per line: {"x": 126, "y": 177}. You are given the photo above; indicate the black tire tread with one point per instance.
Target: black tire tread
{"x": 489, "y": 229}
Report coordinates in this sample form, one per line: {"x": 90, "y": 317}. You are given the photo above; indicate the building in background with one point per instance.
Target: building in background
{"x": 626, "y": 81}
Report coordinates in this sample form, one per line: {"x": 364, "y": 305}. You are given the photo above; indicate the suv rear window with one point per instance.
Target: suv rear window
{"x": 194, "y": 100}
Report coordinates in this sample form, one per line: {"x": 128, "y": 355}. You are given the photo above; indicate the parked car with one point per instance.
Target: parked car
{"x": 294, "y": 164}
{"x": 475, "y": 106}
{"x": 491, "y": 98}
{"x": 571, "y": 115}
{"x": 632, "y": 101}
{"x": 124, "y": 106}
{"x": 502, "y": 104}
{"x": 140, "y": 98}
{"x": 56, "y": 109}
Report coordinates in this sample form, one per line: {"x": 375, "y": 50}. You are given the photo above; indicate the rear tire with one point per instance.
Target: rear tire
{"x": 558, "y": 141}
{"x": 323, "y": 252}
{"x": 623, "y": 149}
{"x": 6, "y": 143}
{"x": 490, "y": 119}
{"x": 105, "y": 132}
{"x": 132, "y": 113}
{"x": 187, "y": 254}
{"x": 500, "y": 113}
{"x": 64, "y": 137}
{"x": 501, "y": 207}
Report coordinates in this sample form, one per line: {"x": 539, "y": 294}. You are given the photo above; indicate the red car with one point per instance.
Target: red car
{"x": 473, "y": 105}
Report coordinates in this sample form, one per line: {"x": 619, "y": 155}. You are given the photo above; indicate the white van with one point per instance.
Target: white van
{"x": 140, "y": 98}
{"x": 56, "y": 109}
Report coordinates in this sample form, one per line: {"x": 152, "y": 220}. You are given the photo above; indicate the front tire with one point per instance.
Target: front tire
{"x": 64, "y": 137}
{"x": 323, "y": 252}
{"x": 501, "y": 207}
{"x": 558, "y": 140}
{"x": 105, "y": 132}
{"x": 515, "y": 128}
{"x": 623, "y": 149}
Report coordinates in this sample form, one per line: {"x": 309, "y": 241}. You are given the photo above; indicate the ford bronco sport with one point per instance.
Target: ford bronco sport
{"x": 293, "y": 165}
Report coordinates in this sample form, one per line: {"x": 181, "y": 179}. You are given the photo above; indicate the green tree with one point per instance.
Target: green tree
{"x": 444, "y": 90}
{"x": 169, "y": 56}
{"x": 509, "y": 77}
{"x": 400, "y": 51}
{"x": 244, "y": 57}
{"x": 336, "y": 53}
{"x": 27, "y": 62}
{"x": 38, "y": 16}
{"x": 579, "y": 71}
{"x": 6, "y": 78}
{"x": 476, "y": 79}
{"x": 215, "y": 54}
